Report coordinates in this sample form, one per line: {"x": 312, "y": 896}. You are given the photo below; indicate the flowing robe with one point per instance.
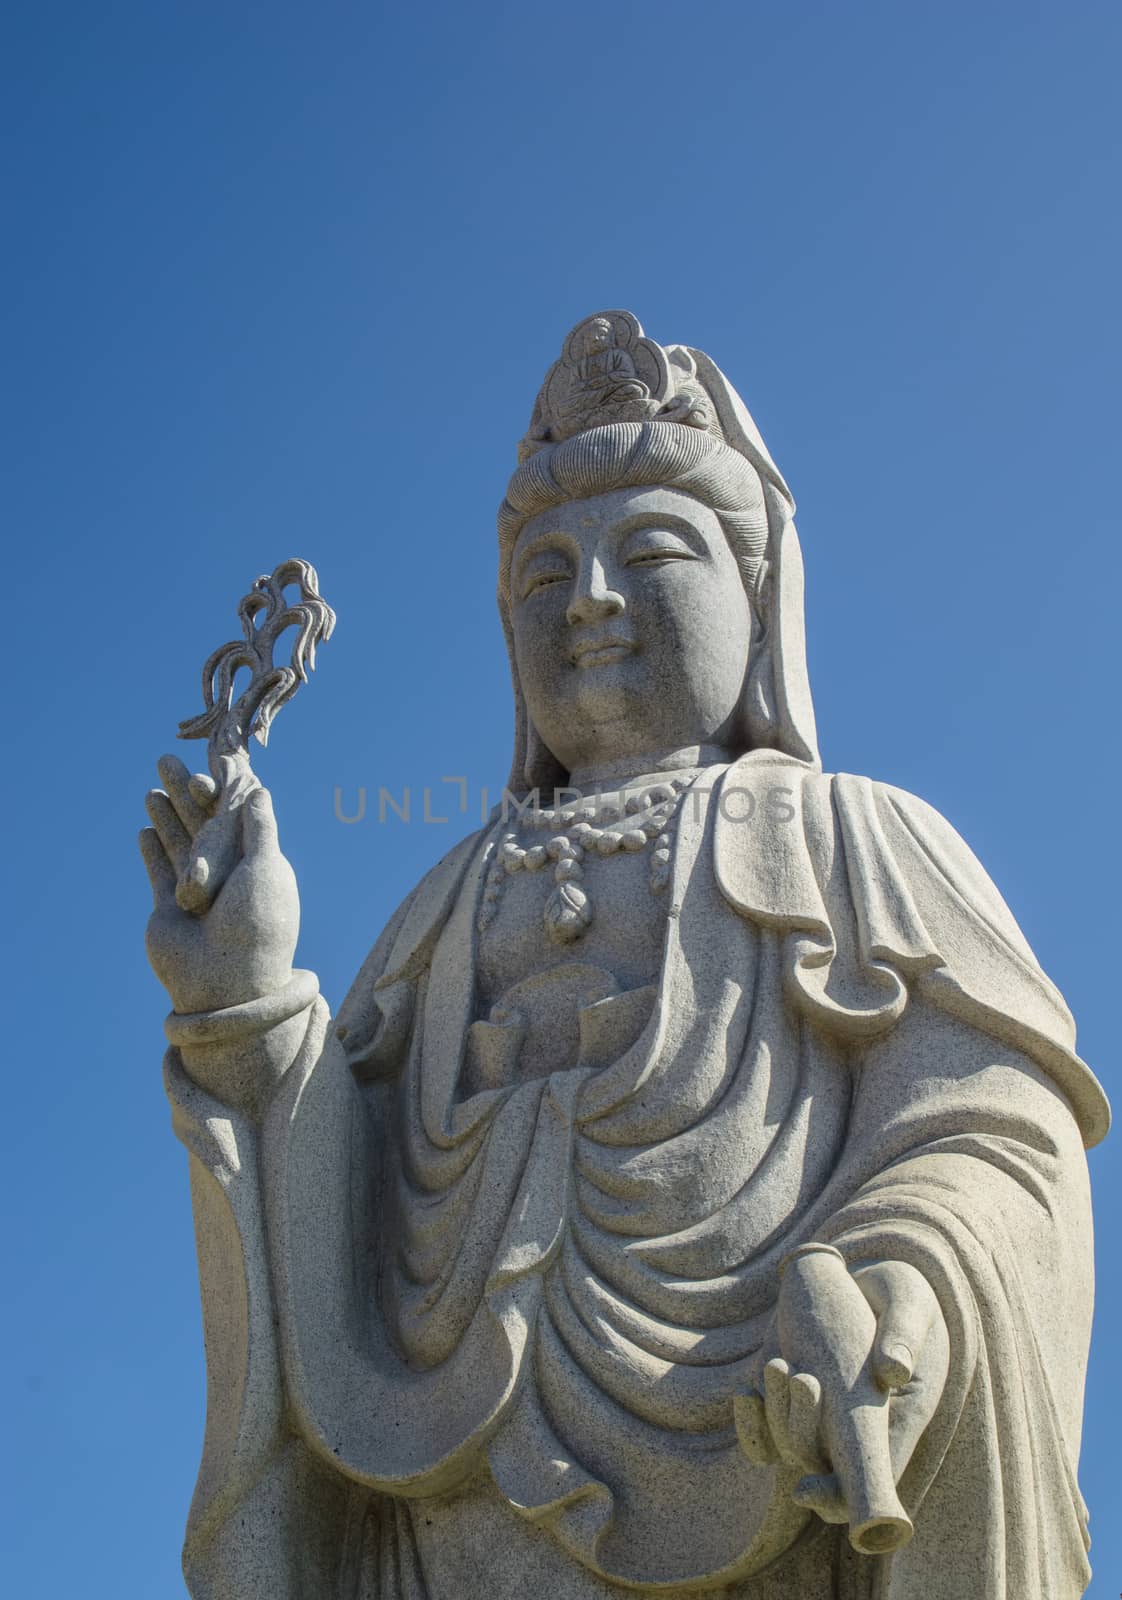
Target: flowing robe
{"x": 493, "y": 1339}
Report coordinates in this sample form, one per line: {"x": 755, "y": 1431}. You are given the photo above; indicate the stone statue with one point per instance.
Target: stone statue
{"x": 689, "y": 1196}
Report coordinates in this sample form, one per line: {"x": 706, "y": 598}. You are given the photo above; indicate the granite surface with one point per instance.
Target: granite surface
{"x": 689, "y": 1196}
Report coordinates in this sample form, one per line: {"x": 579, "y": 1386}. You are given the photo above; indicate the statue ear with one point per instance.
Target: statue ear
{"x": 760, "y": 707}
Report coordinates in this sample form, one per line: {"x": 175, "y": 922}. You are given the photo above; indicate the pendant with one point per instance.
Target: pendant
{"x": 568, "y": 911}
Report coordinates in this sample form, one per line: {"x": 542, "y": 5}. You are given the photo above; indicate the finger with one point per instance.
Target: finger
{"x": 906, "y": 1308}
{"x": 259, "y": 825}
{"x": 894, "y": 1363}
{"x": 177, "y": 781}
{"x": 777, "y": 1406}
{"x": 804, "y": 1411}
{"x": 193, "y": 892}
{"x": 210, "y": 861}
{"x": 161, "y": 874}
{"x": 173, "y": 835}
{"x": 911, "y": 1410}
{"x": 764, "y": 1354}
{"x": 203, "y": 790}
{"x": 752, "y": 1430}
{"x": 821, "y": 1493}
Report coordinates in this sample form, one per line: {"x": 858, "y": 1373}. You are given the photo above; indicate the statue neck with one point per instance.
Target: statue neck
{"x": 628, "y": 768}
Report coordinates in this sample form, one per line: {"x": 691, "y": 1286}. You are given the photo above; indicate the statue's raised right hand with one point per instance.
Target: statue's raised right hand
{"x": 227, "y": 912}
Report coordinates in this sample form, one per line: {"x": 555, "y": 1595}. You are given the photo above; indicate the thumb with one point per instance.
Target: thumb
{"x": 259, "y": 825}
{"x": 214, "y": 854}
{"x": 905, "y": 1307}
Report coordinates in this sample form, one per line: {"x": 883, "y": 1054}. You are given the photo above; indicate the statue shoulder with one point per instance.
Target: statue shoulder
{"x": 982, "y": 968}
{"x": 800, "y": 816}
{"x": 901, "y": 856}
{"x": 931, "y": 850}
{"x": 911, "y": 898}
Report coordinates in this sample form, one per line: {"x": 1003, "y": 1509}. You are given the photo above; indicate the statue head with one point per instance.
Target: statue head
{"x": 595, "y": 334}
{"x": 649, "y": 573}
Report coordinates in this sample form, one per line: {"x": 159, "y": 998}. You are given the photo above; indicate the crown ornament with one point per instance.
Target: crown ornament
{"x": 609, "y": 371}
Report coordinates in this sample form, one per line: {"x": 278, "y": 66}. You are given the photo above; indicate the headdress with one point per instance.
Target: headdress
{"x": 610, "y": 373}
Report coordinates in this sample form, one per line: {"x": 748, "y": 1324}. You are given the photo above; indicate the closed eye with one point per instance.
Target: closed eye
{"x": 543, "y": 580}
{"x": 652, "y": 546}
{"x": 653, "y": 558}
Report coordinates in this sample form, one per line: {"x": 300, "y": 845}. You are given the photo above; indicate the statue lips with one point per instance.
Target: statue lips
{"x": 599, "y": 652}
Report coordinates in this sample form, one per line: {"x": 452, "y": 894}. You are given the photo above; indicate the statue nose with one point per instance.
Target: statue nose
{"x": 594, "y": 599}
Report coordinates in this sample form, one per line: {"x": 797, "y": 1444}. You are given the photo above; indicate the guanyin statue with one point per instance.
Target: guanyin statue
{"x": 689, "y": 1196}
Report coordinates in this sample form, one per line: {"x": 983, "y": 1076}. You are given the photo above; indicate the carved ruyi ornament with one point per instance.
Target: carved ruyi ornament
{"x": 609, "y": 371}
{"x": 265, "y": 612}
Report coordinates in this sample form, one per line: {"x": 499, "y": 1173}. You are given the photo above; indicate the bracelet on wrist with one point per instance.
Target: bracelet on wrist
{"x": 252, "y": 1016}
{"x": 811, "y": 1248}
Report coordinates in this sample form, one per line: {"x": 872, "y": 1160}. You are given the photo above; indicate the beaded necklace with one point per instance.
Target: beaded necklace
{"x": 628, "y": 823}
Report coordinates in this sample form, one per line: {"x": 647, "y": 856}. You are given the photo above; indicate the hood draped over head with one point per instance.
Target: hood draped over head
{"x": 619, "y": 411}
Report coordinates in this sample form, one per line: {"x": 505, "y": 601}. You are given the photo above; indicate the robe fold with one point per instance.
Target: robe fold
{"x": 437, "y": 1318}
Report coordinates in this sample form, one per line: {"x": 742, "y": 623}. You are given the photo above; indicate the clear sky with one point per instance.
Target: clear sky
{"x": 283, "y": 279}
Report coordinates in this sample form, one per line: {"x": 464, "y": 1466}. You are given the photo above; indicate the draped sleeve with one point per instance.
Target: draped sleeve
{"x": 963, "y": 1156}
{"x": 256, "y": 1472}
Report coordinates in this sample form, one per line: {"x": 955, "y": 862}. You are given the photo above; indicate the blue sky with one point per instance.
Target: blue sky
{"x": 283, "y": 280}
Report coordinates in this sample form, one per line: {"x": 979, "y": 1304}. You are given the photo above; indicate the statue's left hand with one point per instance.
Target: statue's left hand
{"x": 847, "y": 1382}
{"x": 227, "y": 911}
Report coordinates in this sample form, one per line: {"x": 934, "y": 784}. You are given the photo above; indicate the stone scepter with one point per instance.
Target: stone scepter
{"x": 216, "y": 832}
{"x": 228, "y": 723}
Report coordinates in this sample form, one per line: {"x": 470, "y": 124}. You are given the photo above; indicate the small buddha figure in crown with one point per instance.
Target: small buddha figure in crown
{"x": 602, "y": 366}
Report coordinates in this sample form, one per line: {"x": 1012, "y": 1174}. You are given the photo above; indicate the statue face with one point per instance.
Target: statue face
{"x": 631, "y": 626}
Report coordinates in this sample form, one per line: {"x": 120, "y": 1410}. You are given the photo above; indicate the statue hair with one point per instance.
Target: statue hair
{"x": 630, "y": 455}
